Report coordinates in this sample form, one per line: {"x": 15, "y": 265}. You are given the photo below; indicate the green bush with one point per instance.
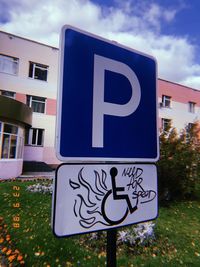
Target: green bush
{"x": 179, "y": 164}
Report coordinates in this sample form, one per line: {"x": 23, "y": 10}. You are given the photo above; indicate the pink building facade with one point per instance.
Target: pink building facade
{"x": 29, "y": 74}
{"x": 177, "y": 104}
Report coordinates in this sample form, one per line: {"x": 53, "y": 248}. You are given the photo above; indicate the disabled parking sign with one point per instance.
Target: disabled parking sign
{"x": 92, "y": 197}
{"x": 107, "y": 101}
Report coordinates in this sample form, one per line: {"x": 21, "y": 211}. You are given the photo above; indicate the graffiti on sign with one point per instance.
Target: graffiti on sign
{"x": 93, "y": 197}
{"x": 90, "y": 207}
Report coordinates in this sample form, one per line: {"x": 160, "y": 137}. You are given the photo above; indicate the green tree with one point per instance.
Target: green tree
{"x": 179, "y": 164}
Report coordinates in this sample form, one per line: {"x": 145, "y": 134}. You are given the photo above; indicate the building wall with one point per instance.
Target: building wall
{"x": 180, "y": 97}
{"x": 22, "y": 85}
{"x": 29, "y": 51}
{"x": 180, "y": 93}
{"x": 10, "y": 168}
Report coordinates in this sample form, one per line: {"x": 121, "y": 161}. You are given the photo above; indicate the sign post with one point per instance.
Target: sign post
{"x": 107, "y": 112}
{"x": 111, "y": 248}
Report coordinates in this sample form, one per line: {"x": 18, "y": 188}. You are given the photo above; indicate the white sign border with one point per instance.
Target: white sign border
{"x": 95, "y": 231}
{"x": 59, "y": 103}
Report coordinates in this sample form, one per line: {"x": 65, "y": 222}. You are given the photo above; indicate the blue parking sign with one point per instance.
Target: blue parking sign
{"x": 107, "y": 101}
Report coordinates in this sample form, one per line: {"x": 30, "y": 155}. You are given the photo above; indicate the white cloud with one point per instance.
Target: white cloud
{"x": 131, "y": 23}
{"x": 169, "y": 15}
{"x": 192, "y": 81}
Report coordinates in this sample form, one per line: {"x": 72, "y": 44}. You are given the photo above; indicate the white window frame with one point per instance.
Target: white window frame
{"x": 191, "y": 106}
{"x": 33, "y": 99}
{"x": 30, "y": 137}
{"x": 37, "y": 66}
{"x": 8, "y": 94}
{"x": 9, "y": 64}
{"x": 166, "y": 101}
{"x": 19, "y": 141}
{"x": 165, "y": 123}
{"x": 188, "y": 128}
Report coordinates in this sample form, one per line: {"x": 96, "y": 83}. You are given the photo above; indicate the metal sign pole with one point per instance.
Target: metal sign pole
{"x": 111, "y": 247}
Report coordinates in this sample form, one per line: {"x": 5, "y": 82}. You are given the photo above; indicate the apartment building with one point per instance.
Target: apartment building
{"x": 177, "y": 104}
{"x": 29, "y": 74}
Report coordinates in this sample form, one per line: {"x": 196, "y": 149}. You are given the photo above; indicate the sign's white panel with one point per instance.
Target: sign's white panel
{"x": 92, "y": 197}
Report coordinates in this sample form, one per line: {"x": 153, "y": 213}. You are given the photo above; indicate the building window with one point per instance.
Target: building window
{"x": 191, "y": 106}
{"x": 166, "y": 124}
{"x": 36, "y": 103}
{"x": 9, "y": 64}
{"x": 189, "y": 130}
{"x": 7, "y": 94}
{"x": 11, "y": 141}
{"x": 166, "y": 101}
{"x": 35, "y": 137}
{"x": 38, "y": 71}
{"x": 189, "y": 126}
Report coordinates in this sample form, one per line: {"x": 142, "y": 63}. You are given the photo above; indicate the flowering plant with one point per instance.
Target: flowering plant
{"x": 142, "y": 233}
{"x": 41, "y": 188}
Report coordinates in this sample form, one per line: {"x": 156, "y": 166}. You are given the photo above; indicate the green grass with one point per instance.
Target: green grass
{"x": 177, "y": 235}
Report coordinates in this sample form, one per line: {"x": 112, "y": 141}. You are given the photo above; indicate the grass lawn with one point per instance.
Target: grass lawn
{"x": 26, "y": 236}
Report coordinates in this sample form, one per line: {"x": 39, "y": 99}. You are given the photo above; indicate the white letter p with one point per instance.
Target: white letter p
{"x": 101, "y": 108}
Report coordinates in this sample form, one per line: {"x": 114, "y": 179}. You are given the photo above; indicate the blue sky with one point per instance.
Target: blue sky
{"x": 186, "y": 21}
{"x": 166, "y": 29}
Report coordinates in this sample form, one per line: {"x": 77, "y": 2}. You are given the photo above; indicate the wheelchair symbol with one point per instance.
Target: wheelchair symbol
{"x": 125, "y": 206}
{"x": 113, "y": 193}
